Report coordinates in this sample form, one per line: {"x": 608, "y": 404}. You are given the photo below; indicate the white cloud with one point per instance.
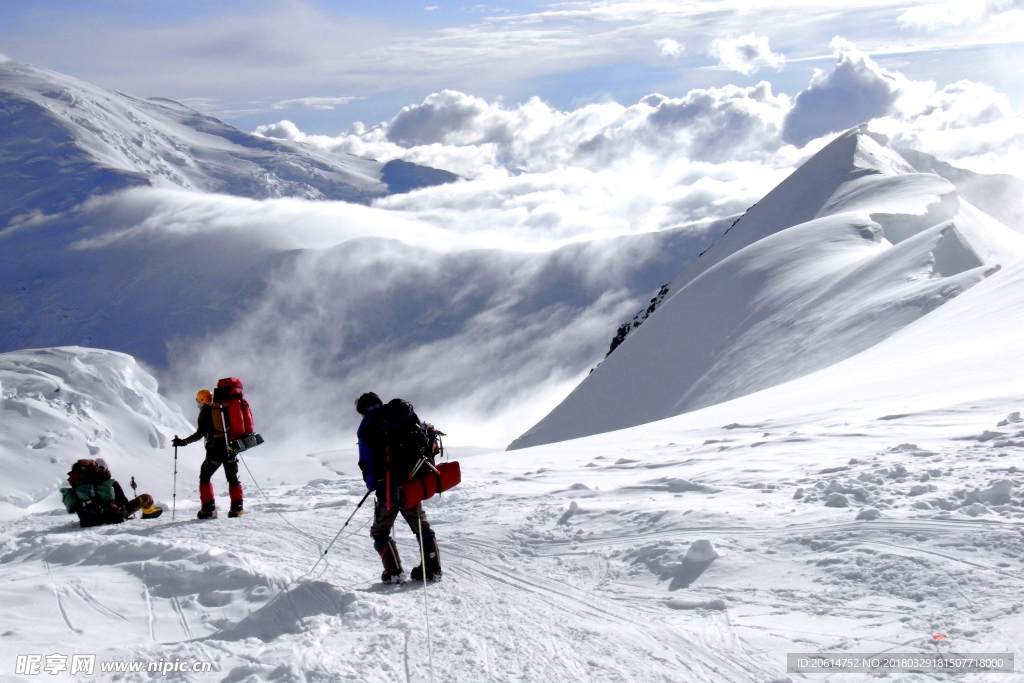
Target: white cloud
{"x": 4, "y": 58}
{"x": 670, "y": 48}
{"x": 938, "y": 15}
{"x": 282, "y": 130}
{"x": 313, "y": 102}
{"x": 431, "y": 8}
{"x": 470, "y": 136}
{"x": 968, "y": 124}
{"x": 746, "y": 54}
{"x": 855, "y": 91}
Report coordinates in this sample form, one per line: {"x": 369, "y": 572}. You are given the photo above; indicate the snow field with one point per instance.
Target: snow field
{"x": 623, "y": 557}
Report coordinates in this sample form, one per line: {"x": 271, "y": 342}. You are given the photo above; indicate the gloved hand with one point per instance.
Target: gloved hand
{"x": 178, "y": 442}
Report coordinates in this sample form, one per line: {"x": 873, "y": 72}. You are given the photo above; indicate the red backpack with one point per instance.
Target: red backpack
{"x": 237, "y": 416}
{"x": 85, "y": 472}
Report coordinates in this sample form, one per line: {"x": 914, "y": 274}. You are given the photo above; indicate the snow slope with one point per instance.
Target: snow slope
{"x": 999, "y": 195}
{"x": 63, "y": 404}
{"x": 851, "y": 248}
{"x": 65, "y": 140}
{"x": 696, "y": 548}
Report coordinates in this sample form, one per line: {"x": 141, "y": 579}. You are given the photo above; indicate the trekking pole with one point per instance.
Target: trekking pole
{"x": 324, "y": 553}
{"x": 174, "y": 497}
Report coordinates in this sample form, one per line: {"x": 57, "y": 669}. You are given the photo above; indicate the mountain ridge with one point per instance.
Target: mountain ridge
{"x": 93, "y": 140}
{"x": 778, "y": 297}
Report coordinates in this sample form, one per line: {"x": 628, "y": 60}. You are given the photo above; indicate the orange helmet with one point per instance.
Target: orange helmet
{"x": 205, "y": 396}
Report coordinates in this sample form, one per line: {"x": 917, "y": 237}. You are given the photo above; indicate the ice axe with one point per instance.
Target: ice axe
{"x": 135, "y": 492}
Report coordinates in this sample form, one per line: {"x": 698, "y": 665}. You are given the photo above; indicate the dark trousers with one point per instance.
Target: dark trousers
{"x": 210, "y": 466}
{"x": 384, "y": 520}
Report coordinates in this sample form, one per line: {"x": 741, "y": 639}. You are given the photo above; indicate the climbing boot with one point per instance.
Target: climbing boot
{"x": 392, "y": 563}
{"x": 209, "y": 510}
{"x": 433, "y": 556}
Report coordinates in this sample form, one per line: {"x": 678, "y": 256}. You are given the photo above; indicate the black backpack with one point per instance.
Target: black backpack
{"x": 402, "y": 441}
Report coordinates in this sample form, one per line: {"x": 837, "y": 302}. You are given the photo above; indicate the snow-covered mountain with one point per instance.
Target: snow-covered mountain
{"x": 65, "y": 140}
{"x": 852, "y": 247}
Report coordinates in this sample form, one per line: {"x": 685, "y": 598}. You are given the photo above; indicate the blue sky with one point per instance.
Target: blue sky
{"x": 261, "y": 61}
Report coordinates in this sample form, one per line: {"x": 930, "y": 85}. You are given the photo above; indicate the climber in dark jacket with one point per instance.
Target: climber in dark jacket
{"x": 373, "y": 463}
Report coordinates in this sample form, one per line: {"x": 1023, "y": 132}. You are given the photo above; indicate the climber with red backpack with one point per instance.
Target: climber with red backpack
{"x": 225, "y": 422}
{"x": 98, "y": 499}
{"x": 396, "y": 456}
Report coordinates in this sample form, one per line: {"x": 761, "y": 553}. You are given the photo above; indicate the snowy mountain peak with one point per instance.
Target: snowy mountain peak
{"x": 83, "y": 139}
{"x": 806, "y": 193}
{"x": 852, "y": 247}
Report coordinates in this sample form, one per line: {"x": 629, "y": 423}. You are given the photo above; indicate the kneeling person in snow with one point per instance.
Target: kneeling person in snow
{"x": 98, "y": 499}
{"x": 211, "y": 427}
{"x": 386, "y": 465}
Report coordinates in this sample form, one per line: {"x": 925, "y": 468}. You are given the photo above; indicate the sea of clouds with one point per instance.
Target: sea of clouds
{"x": 486, "y": 300}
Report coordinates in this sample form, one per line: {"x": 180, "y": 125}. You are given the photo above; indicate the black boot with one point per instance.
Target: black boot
{"x": 392, "y": 563}
{"x": 236, "y": 509}
{"x": 433, "y": 555}
{"x": 209, "y": 510}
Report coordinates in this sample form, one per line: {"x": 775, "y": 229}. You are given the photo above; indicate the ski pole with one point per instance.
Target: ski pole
{"x": 339, "y": 532}
{"x": 174, "y": 497}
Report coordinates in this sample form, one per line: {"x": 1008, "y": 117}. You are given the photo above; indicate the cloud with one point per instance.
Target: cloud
{"x": 968, "y": 124}
{"x": 746, "y": 54}
{"x": 939, "y": 15}
{"x": 856, "y": 90}
{"x": 431, "y": 8}
{"x": 473, "y": 137}
{"x": 282, "y": 130}
{"x": 4, "y": 59}
{"x": 313, "y": 102}
{"x": 670, "y": 48}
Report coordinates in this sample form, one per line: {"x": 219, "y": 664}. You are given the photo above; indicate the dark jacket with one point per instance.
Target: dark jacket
{"x": 366, "y": 455}
{"x": 389, "y": 445}
{"x": 216, "y": 447}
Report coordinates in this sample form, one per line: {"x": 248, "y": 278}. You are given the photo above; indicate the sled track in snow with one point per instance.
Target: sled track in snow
{"x": 697, "y": 660}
